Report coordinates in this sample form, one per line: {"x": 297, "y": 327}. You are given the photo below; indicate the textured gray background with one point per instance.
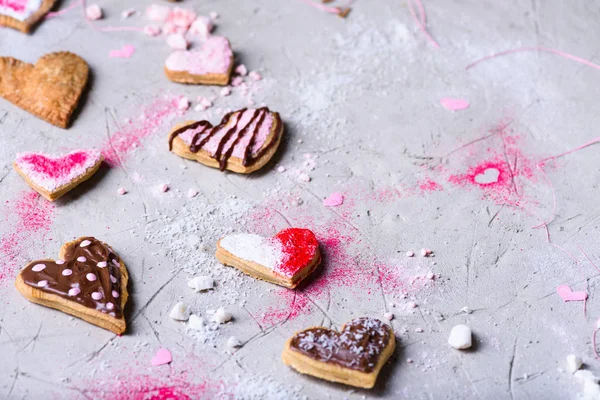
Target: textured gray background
{"x": 362, "y": 94}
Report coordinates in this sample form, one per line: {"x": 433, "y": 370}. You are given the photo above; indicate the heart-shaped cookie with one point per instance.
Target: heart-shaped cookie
{"x": 353, "y": 356}
{"x": 243, "y": 142}
{"x": 284, "y": 259}
{"x": 23, "y": 14}
{"x": 50, "y": 89}
{"x": 88, "y": 281}
{"x": 211, "y": 65}
{"x": 52, "y": 176}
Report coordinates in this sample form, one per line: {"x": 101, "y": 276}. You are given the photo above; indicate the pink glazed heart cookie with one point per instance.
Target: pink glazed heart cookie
{"x": 211, "y": 65}
{"x": 52, "y": 176}
{"x": 23, "y": 14}
{"x": 284, "y": 259}
{"x": 243, "y": 142}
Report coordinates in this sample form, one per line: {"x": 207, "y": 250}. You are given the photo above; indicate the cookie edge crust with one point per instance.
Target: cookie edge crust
{"x": 56, "y": 302}
{"x": 333, "y": 372}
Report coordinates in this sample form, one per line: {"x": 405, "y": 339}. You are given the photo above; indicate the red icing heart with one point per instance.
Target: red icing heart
{"x": 298, "y": 247}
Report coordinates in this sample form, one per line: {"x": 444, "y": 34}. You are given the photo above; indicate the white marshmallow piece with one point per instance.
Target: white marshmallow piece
{"x": 177, "y": 41}
{"x": 196, "y": 323}
{"x": 180, "y": 312}
{"x": 460, "y": 337}
{"x": 221, "y": 316}
{"x": 201, "y": 283}
{"x": 573, "y": 363}
{"x": 93, "y": 12}
{"x": 233, "y": 342}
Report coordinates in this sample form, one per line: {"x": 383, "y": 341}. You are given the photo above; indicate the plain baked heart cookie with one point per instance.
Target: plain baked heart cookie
{"x": 243, "y": 142}
{"x": 23, "y": 14}
{"x": 52, "y": 176}
{"x": 88, "y": 281}
{"x": 50, "y": 89}
{"x": 284, "y": 259}
{"x": 354, "y": 356}
{"x": 211, "y": 65}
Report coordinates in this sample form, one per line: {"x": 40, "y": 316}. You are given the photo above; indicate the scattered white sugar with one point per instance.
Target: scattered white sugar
{"x": 222, "y": 316}
{"x": 253, "y": 248}
{"x": 200, "y": 283}
{"x": 574, "y": 363}
{"x": 180, "y": 312}
{"x": 460, "y": 337}
{"x": 196, "y": 323}
{"x": 466, "y": 310}
{"x": 233, "y": 342}
{"x": 256, "y": 386}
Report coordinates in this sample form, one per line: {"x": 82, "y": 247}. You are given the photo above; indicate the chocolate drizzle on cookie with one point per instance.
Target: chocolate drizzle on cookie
{"x": 358, "y": 346}
{"x": 236, "y": 131}
{"x": 90, "y": 275}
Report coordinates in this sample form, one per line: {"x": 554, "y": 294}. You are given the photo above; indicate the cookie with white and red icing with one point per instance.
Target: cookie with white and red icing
{"x": 354, "y": 356}
{"x": 53, "y": 176}
{"x": 211, "y": 65}
{"x": 23, "y": 14}
{"x": 243, "y": 142}
{"x": 49, "y": 89}
{"x": 284, "y": 259}
{"x": 88, "y": 281}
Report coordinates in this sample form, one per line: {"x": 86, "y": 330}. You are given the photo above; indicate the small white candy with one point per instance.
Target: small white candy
{"x": 460, "y": 337}
{"x": 38, "y": 267}
{"x": 113, "y": 279}
{"x": 96, "y": 295}
{"x": 233, "y": 342}
{"x": 410, "y": 254}
{"x": 110, "y": 306}
{"x": 573, "y": 363}
{"x": 200, "y": 283}
{"x": 115, "y": 294}
{"x": 67, "y": 272}
{"x": 177, "y": 41}
{"x": 85, "y": 243}
{"x": 180, "y": 312}
{"x": 388, "y": 315}
{"x": 102, "y": 264}
{"x": 114, "y": 261}
{"x": 74, "y": 291}
{"x": 93, "y": 12}
{"x": 42, "y": 283}
{"x": 59, "y": 262}
{"x": 164, "y": 187}
{"x": 196, "y": 323}
{"x": 91, "y": 277}
{"x": 81, "y": 259}
{"x": 222, "y": 316}
{"x": 121, "y": 191}
{"x": 192, "y": 193}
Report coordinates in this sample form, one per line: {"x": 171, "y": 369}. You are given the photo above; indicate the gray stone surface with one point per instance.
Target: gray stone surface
{"x": 362, "y": 94}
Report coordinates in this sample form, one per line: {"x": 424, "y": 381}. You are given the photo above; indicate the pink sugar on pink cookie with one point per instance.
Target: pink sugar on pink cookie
{"x": 215, "y": 57}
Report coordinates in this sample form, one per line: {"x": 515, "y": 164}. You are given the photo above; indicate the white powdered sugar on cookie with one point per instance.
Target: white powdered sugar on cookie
{"x": 19, "y": 9}
{"x": 51, "y": 173}
{"x": 254, "y": 248}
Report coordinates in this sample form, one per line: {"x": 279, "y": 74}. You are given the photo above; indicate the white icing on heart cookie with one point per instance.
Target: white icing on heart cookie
{"x": 19, "y": 9}
{"x": 215, "y": 57}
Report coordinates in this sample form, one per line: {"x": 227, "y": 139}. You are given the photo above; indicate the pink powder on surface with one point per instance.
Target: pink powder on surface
{"x": 427, "y": 185}
{"x": 130, "y": 137}
{"x": 124, "y": 52}
{"x": 28, "y": 219}
{"x": 215, "y": 57}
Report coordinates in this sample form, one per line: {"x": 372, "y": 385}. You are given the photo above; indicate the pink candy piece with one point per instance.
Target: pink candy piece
{"x": 113, "y": 279}
{"x": 121, "y": 191}
{"x": 114, "y": 261}
{"x": 38, "y": 267}
{"x": 67, "y": 272}
{"x": 110, "y": 306}
{"x": 452, "y": 104}
{"x": 241, "y": 70}
{"x": 125, "y": 52}
{"x": 181, "y": 18}
{"x": 51, "y": 173}
{"x": 85, "y": 243}
{"x": 202, "y": 27}
{"x": 102, "y": 264}
{"x": 42, "y": 283}
{"x": 59, "y": 262}
{"x": 93, "y": 12}
{"x": 115, "y": 294}
{"x": 184, "y": 104}
{"x": 157, "y": 12}
{"x": 215, "y": 57}
{"x": 567, "y": 294}
{"x": 74, "y": 291}
{"x": 410, "y": 254}
{"x": 177, "y": 41}
{"x": 81, "y": 259}
{"x": 91, "y": 277}
{"x": 162, "y": 357}
{"x": 334, "y": 200}
{"x": 237, "y": 81}
{"x": 164, "y": 187}
{"x": 255, "y": 76}
{"x": 96, "y": 295}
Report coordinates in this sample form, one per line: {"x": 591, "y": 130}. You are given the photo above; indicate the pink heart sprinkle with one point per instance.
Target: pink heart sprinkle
{"x": 452, "y": 104}
{"x": 125, "y": 52}
{"x": 162, "y": 357}
{"x": 567, "y": 294}
{"x": 334, "y": 200}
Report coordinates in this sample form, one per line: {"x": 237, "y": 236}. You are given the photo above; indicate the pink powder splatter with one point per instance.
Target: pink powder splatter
{"x": 428, "y": 185}
{"x": 130, "y": 137}
{"x": 294, "y": 305}
{"x": 28, "y": 219}
{"x": 453, "y": 104}
{"x": 125, "y": 52}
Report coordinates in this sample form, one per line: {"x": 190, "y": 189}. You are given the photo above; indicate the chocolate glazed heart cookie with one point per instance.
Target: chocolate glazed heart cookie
{"x": 50, "y": 89}
{"x": 88, "y": 281}
{"x": 353, "y": 356}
